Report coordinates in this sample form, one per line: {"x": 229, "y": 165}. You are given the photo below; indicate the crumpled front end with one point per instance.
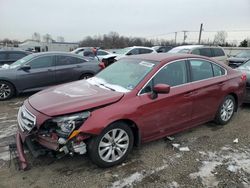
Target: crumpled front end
{"x": 42, "y": 134}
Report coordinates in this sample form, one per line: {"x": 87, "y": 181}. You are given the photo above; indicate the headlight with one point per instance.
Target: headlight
{"x": 70, "y": 122}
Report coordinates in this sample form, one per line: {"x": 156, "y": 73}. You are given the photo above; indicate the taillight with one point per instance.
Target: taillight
{"x": 102, "y": 65}
{"x": 244, "y": 77}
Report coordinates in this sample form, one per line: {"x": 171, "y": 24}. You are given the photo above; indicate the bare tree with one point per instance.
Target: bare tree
{"x": 60, "y": 39}
{"x": 36, "y": 36}
{"x": 220, "y": 38}
{"x": 47, "y": 38}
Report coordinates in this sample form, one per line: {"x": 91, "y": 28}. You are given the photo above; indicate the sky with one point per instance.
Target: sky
{"x": 76, "y": 19}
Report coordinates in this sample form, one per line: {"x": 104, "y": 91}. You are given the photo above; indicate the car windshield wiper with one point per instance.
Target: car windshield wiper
{"x": 108, "y": 87}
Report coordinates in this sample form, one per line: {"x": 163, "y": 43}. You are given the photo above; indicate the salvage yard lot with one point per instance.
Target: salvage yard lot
{"x": 213, "y": 159}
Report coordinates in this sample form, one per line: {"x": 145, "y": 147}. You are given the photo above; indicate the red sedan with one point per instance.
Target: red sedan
{"x": 135, "y": 100}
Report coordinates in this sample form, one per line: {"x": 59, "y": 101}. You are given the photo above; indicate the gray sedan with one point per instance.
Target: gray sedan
{"x": 38, "y": 71}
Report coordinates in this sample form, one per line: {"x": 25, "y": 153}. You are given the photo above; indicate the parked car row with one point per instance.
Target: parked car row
{"x": 41, "y": 70}
{"x": 137, "y": 99}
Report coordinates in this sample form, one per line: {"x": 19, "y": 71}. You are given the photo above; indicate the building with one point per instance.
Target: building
{"x": 37, "y": 46}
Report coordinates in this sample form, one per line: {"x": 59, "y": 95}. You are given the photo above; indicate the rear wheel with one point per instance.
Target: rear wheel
{"x": 226, "y": 110}
{"x": 112, "y": 146}
{"x": 6, "y": 90}
{"x": 86, "y": 76}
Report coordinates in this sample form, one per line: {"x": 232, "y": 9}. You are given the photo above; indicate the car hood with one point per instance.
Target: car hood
{"x": 237, "y": 59}
{"x": 72, "y": 97}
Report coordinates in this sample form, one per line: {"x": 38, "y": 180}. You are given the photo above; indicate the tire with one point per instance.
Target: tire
{"x": 226, "y": 110}
{"x": 107, "y": 150}
{"x": 86, "y": 76}
{"x": 6, "y": 90}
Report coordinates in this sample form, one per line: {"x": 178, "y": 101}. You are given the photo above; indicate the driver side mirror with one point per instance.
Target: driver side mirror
{"x": 160, "y": 89}
{"x": 25, "y": 67}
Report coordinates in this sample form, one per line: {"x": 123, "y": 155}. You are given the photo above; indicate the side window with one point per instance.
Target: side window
{"x": 2, "y": 56}
{"x": 196, "y": 52}
{"x": 41, "y": 62}
{"x": 218, "y": 71}
{"x": 173, "y": 74}
{"x": 16, "y": 56}
{"x": 206, "y": 52}
{"x": 100, "y": 52}
{"x": 68, "y": 60}
{"x": 201, "y": 70}
{"x": 145, "y": 51}
{"x": 218, "y": 52}
{"x": 134, "y": 51}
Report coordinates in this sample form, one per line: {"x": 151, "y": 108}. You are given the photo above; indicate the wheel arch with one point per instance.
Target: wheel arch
{"x": 133, "y": 126}
{"x": 234, "y": 95}
{"x": 8, "y": 81}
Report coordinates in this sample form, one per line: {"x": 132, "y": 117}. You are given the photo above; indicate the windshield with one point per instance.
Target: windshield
{"x": 124, "y": 75}
{"x": 22, "y": 61}
{"x": 123, "y": 50}
{"x": 244, "y": 54}
{"x": 246, "y": 65}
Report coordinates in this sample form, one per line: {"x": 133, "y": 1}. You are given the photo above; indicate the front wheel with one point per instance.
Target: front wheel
{"x": 226, "y": 110}
{"x": 6, "y": 90}
{"x": 112, "y": 146}
{"x": 86, "y": 76}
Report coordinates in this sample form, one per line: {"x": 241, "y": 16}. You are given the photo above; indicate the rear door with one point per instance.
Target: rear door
{"x": 68, "y": 68}
{"x": 208, "y": 80}
{"x": 170, "y": 112}
{"x": 41, "y": 73}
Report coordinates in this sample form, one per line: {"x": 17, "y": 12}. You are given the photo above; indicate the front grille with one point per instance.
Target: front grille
{"x": 26, "y": 119}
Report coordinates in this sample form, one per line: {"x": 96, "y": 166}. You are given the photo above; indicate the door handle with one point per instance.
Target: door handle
{"x": 221, "y": 83}
{"x": 188, "y": 94}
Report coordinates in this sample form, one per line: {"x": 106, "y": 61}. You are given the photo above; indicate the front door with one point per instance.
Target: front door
{"x": 41, "y": 74}
{"x": 171, "y": 112}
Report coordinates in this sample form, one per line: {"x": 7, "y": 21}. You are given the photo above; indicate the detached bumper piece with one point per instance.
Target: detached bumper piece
{"x": 23, "y": 163}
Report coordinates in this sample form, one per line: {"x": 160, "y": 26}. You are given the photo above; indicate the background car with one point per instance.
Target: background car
{"x": 135, "y": 100}
{"x": 88, "y": 52}
{"x": 245, "y": 68}
{"x": 238, "y": 59}
{"x": 10, "y": 56}
{"x": 38, "y": 71}
{"x": 213, "y": 52}
{"x": 120, "y": 53}
{"x": 162, "y": 49}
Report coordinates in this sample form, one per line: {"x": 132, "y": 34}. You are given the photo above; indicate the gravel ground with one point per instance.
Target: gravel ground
{"x": 214, "y": 160}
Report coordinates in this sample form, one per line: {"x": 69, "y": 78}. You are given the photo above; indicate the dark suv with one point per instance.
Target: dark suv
{"x": 10, "y": 56}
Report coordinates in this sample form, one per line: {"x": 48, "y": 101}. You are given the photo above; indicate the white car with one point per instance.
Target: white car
{"x": 100, "y": 53}
{"x": 214, "y": 52}
{"x": 134, "y": 50}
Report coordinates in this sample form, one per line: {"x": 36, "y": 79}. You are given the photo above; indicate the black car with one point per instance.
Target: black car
{"x": 162, "y": 49}
{"x": 40, "y": 70}
{"x": 238, "y": 59}
{"x": 245, "y": 67}
{"x": 10, "y": 56}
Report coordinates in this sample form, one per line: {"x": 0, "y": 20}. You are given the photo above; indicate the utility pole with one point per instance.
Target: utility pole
{"x": 185, "y": 36}
{"x": 201, "y": 29}
{"x": 175, "y": 39}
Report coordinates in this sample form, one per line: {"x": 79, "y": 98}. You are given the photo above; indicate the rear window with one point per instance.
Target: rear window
{"x": 218, "y": 52}
{"x": 16, "y": 56}
{"x": 206, "y": 52}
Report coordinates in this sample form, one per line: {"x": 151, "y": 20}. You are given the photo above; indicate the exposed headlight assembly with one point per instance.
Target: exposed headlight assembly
{"x": 67, "y": 124}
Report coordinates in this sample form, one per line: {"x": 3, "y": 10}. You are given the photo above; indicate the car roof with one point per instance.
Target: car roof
{"x": 194, "y": 46}
{"x": 164, "y": 57}
{"x": 14, "y": 50}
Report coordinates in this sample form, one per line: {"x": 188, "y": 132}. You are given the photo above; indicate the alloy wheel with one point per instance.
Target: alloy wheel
{"x": 113, "y": 145}
{"x": 227, "y": 109}
{"x": 5, "y": 91}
